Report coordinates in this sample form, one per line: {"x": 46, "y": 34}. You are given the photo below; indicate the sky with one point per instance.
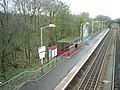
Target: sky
{"x": 95, "y": 7}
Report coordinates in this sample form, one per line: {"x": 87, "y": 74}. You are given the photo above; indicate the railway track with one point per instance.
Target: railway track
{"x": 91, "y": 76}
{"x": 116, "y": 75}
{"x": 90, "y": 80}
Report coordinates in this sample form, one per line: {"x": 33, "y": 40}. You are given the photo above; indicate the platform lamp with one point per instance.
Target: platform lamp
{"x": 93, "y": 22}
{"x": 51, "y": 26}
{"x": 81, "y": 27}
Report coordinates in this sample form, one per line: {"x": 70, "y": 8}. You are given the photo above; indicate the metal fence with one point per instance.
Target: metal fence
{"x": 26, "y": 76}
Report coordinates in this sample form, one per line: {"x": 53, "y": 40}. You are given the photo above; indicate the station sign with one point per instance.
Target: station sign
{"x": 41, "y": 52}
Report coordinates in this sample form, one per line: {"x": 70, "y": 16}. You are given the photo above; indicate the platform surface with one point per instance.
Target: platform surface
{"x": 53, "y": 79}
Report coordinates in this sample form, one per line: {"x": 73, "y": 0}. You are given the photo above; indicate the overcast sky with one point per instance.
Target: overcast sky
{"x": 95, "y": 7}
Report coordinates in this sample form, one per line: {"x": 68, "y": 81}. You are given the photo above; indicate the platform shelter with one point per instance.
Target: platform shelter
{"x": 68, "y": 46}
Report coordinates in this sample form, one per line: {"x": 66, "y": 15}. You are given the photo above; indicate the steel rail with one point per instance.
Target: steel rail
{"x": 90, "y": 66}
{"x": 88, "y": 81}
{"x": 103, "y": 63}
{"x": 117, "y": 63}
{"x": 113, "y": 74}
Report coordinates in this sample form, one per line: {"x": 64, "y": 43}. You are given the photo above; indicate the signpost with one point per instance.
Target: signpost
{"x": 41, "y": 50}
{"x": 41, "y": 53}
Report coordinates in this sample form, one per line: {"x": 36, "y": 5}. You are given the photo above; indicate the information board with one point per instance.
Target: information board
{"x": 41, "y": 52}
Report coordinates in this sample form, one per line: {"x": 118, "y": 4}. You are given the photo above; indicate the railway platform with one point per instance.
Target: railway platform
{"x": 60, "y": 76}
{"x": 64, "y": 83}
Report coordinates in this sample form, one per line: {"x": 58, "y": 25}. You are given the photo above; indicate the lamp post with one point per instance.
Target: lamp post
{"x": 105, "y": 24}
{"x": 50, "y": 25}
{"x": 92, "y": 27}
{"x": 102, "y": 24}
{"x": 82, "y": 26}
{"x": 93, "y": 22}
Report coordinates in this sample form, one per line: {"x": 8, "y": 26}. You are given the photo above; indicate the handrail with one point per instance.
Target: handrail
{"x": 30, "y": 75}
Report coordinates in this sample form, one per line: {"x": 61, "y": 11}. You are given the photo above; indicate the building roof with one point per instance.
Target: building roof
{"x": 71, "y": 40}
